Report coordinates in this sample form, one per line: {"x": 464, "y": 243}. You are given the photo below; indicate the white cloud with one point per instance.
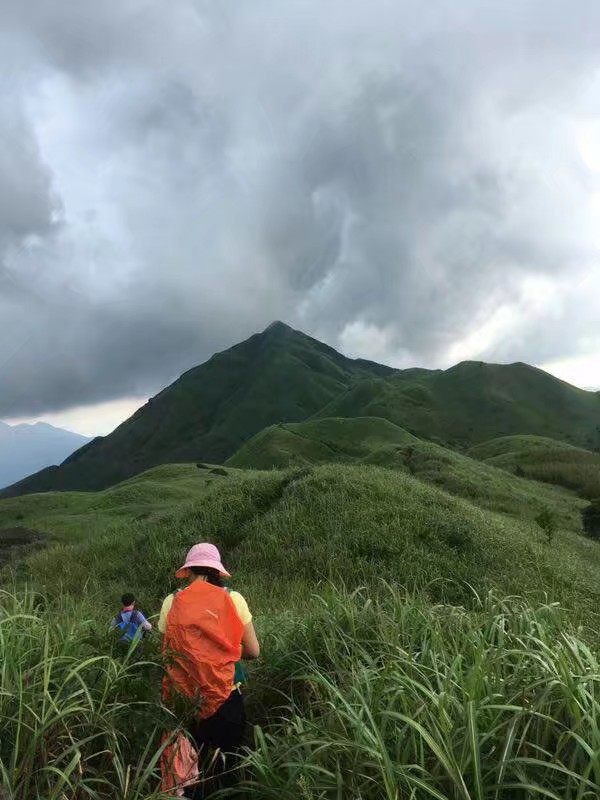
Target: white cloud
{"x": 94, "y": 420}
{"x": 360, "y": 340}
{"x": 582, "y": 371}
{"x": 589, "y": 143}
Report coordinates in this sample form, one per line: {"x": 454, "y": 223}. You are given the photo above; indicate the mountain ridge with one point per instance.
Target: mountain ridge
{"x": 281, "y": 375}
{"x": 474, "y": 401}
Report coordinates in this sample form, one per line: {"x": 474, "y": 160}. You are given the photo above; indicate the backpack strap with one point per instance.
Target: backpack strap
{"x": 239, "y": 675}
{"x": 133, "y": 619}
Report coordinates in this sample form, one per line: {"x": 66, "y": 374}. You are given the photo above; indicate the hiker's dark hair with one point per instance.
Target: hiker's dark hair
{"x": 128, "y": 599}
{"x": 212, "y": 575}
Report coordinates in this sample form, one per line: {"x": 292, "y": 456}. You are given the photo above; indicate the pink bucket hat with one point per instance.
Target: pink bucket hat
{"x": 203, "y": 555}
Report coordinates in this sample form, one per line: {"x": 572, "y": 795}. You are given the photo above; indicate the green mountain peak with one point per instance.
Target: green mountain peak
{"x": 282, "y": 375}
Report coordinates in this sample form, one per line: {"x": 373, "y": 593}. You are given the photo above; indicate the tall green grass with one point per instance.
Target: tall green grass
{"x": 75, "y": 722}
{"x": 394, "y": 698}
{"x": 382, "y": 692}
{"x": 359, "y": 695}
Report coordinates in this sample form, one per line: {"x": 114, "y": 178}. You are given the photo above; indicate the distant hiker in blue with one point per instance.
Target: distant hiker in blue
{"x": 130, "y": 623}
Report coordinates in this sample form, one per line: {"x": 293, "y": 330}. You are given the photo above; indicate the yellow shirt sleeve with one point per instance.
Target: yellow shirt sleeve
{"x": 241, "y": 606}
{"x": 166, "y": 607}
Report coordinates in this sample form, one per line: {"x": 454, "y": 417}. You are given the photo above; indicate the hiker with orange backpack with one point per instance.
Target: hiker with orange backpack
{"x": 207, "y": 630}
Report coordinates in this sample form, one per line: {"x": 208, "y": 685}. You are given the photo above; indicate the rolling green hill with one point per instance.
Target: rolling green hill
{"x": 369, "y": 440}
{"x": 281, "y": 376}
{"x": 317, "y": 441}
{"x": 75, "y": 516}
{"x": 510, "y": 448}
{"x": 544, "y": 459}
{"x": 308, "y": 524}
{"x": 473, "y": 402}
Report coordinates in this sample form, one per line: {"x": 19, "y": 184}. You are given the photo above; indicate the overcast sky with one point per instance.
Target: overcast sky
{"x": 418, "y": 183}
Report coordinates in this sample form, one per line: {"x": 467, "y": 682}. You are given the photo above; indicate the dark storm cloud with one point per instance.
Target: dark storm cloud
{"x": 173, "y": 178}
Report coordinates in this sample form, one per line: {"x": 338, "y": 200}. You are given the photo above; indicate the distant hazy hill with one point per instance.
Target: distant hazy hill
{"x": 283, "y": 376}
{"x": 28, "y": 448}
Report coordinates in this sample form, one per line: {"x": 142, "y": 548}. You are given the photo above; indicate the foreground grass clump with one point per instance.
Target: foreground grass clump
{"x": 381, "y": 692}
{"x": 396, "y": 698}
{"x": 74, "y": 721}
{"x": 360, "y": 695}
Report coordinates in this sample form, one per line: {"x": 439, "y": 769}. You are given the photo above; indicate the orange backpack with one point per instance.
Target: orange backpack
{"x": 201, "y": 645}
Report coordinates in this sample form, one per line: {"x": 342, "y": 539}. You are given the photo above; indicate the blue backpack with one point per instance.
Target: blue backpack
{"x": 129, "y": 629}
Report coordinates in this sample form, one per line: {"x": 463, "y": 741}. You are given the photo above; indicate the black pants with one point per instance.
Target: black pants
{"x": 224, "y": 731}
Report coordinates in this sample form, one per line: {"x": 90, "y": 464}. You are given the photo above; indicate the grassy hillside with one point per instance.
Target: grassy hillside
{"x": 473, "y": 402}
{"x": 318, "y": 441}
{"x": 544, "y": 459}
{"x": 278, "y": 375}
{"x": 301, "y": 526}
{"x": 70, "y": 516}
{"x": 368, "y": 440}
{"x": 370, "y": 594}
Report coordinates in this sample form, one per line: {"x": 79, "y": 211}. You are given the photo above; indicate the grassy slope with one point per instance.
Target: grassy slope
{"x": 515, "y": 446}
{"x": 77, "y": 515}
{"x": 351, "y": 661}
{"x": 70, "y": 516}
{"x": 275, "y": 376}
{"x": 283, "y": 530}
{"x": 543, "y": 459}
{"x": 369, "y": 440}
{"x": 317, "y": 441}
{"x": 473, "y": 402}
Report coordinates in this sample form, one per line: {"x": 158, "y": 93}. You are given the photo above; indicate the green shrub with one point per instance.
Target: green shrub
{"x": 591, "y": 519}
{"x": 547, "y": 521}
